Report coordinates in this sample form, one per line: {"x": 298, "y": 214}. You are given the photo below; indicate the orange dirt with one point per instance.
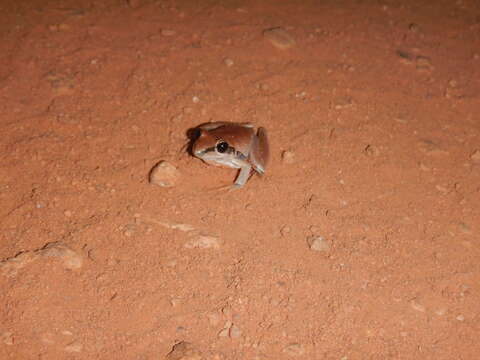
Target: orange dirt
{"x": 362, "y": 240}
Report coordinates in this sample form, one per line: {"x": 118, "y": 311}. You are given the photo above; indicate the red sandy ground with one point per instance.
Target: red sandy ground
{"x": 378, "y": 103}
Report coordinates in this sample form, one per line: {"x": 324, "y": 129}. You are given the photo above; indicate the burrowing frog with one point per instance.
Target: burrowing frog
{"x": 234, "y": 145}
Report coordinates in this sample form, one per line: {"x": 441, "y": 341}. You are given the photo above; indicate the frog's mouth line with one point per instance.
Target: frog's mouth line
{"x": 201, "y": 152}
{"x": 230, "y": 150}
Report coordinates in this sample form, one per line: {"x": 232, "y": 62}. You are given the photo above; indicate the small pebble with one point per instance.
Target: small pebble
{"x": 441, "y": 311}
{"x": 11, "y": 266}
{"x": 129, "y": 232}
{"x": 371, "y": 150}
{"x": 475, "y": 156}
{"x": 279, "y": 37}
{"x": 342, "y": 103}
{"x": 453, "y": 83}
{"x": 423, "y": 167}
{"x": 263, "y": 87}
{"x": 464, "y": 228}
{"x": 203, "y": 242}
{"x": 318, "y": 243}
{"x": 175, "y": 301}
{"x": 413, "y": 27}
{"x": 228, "y": 62}
{"x": 164, "y": 174}
{"x": 401, "y": 118}
{"x": 195, "y": 99}
{"x": 59, "y": 27}
{"x": 441, "y": 188}
{"x": 225, "y": 332}
{"x": 423, "y": 63}
{"x": 74, "y": 347}
{"x": 184, "y": 351}
{"x": 71, "y": 259}
{"x": 7, "y": 338}
{"x": 417, "y": 306}
{"x": 285, "y": 230}
{"x": 432, "y": 149}
{"x": 294, "y": 350}
{"x": 288, "y": 157}
{"x": 460, "y": 318}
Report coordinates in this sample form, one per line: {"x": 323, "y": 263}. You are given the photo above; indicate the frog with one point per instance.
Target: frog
{"x": 234, "y": 145}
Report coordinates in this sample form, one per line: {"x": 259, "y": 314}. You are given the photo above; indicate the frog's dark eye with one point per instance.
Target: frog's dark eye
{"x": 222, "y": 147}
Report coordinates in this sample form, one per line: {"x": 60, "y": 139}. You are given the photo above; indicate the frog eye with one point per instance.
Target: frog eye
{"x": 222, "y": 146}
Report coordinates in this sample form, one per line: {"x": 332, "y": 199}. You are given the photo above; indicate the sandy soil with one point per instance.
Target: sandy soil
{"x": 361, "y": 242}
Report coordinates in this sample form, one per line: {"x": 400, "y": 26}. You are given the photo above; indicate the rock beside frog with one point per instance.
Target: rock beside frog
{"x": 164, "y": 174}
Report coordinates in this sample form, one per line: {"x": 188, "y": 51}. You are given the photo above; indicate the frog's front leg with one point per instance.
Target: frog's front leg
{"x": 243, "y": 175}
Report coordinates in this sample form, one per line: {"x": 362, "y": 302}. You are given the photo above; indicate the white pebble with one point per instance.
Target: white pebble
{"x": 164, "y": 174}
{"x": 318, "y": 243}
{"x": 288, "y": 157}
{"x": 71, "y": 259}
{"x": 228, "y": 62}
{"x": 203, "y": 242}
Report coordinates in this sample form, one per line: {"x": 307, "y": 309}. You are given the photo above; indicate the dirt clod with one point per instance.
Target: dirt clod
{"x": 71, "y": 259}
{"x": 164, "y": 174}
{"x": 318, "y": 243}
{"x": 280, "y": 38}
{"x": 184, "y": 351}
{"x": 475, "y": 156}
{"x": 228, "y": 62}
{"x": 288, "y": 157}
{"x": 203, "y": 242}
{"x": 423, "y": 63}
